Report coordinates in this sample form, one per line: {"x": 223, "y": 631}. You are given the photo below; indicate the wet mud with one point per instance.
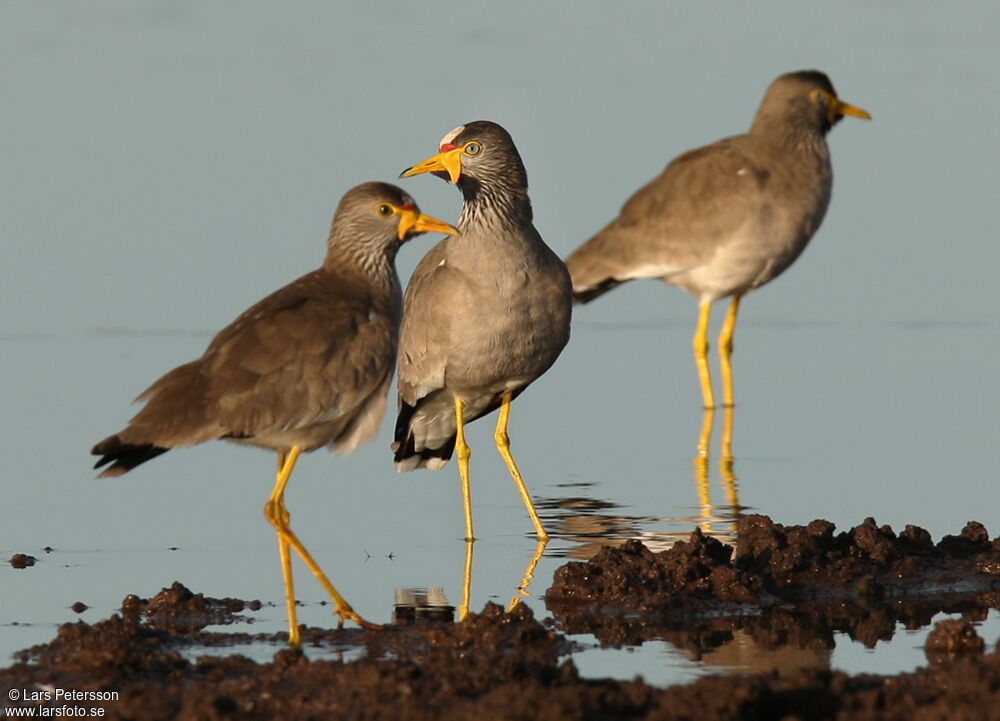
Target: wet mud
{"x": 783, "y": 586}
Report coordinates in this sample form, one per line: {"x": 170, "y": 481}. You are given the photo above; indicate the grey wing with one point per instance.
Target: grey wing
{"x": 428, "y": 308}
{"x": 425, "y": 425}
{"x": 676, "y": 221}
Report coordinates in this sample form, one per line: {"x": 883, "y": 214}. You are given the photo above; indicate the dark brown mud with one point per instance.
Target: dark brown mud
{"x": 781, "y": 585}
{"x": 785, "y": 586}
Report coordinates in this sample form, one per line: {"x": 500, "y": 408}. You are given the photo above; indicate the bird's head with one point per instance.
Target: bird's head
{"x": 808, "y": 96}
{"x": 480, "y": 152}
{"x": 374, "y": 217}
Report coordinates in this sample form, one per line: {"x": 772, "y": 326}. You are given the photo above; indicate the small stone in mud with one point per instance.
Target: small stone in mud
{"x": 22, "y": 560}
{"x": 131, "y": 605}
{"x": 177, "y": 607}
{"x": 952, "y": 638}
{"x": 254, "y": 605}
{"x": 48, "y": 549}
{"x": 79, "y": 607}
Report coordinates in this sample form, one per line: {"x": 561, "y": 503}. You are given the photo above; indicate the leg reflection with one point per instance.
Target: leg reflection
{"x": 710, "y": 513}
{"x": 726, "y": 468}
{"x": 701, "y": 469}
{"x": 529, "y": 573}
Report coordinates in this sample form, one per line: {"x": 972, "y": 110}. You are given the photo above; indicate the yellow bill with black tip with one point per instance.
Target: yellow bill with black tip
{"x": 449, "y": 160}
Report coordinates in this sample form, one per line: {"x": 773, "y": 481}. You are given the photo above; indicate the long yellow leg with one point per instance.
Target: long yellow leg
{"x": 529, "y": 573}
{"x": 463, "y": 452}
{"x": 503, "y": 445}
{"x": 700, "y": 344}
{"x": 726, "y": 350}
{"x": 278, "y": 515}
{"x": 463, "y": 609}
{"x": 286, "y": 559}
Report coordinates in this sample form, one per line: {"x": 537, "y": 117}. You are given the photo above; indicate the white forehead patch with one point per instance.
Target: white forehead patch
{"x": 446, "y": 140}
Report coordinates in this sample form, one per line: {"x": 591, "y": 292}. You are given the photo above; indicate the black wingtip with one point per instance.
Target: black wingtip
{"x": 588, "y": 294}
{"x": 403, "y": 452}
{"x": 123, "y": 457}
{"x": 403, "y": 443}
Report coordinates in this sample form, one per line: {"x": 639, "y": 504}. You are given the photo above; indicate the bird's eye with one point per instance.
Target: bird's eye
{"x": 384, "y": 210}
{"x": 473, "y": 148}
{"x": 819, "y": 96}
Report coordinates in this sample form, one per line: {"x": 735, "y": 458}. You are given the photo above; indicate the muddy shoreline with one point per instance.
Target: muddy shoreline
{"x": 778, "y": 587}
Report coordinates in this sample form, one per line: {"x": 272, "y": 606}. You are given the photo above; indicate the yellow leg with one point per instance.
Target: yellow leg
{"x": 463, "y": 452}
{"x": 286, "y": 560}
{"x": 503, "y": 445}
{"x": 463, "y": 609}
{"x": 278, "y": 516}
{"x": 700, "y": 345}
{"x": 726, "y": 350}
{"x": 529, "y": 573}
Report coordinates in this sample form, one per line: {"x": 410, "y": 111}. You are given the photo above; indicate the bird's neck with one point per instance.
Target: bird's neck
{"x": 375, "y": 268}
{"x": 497, "y": 204}
{"x": 794, "y": 134}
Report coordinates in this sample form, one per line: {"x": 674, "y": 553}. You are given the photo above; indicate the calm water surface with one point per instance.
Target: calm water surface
{"x": 167, "y": 164}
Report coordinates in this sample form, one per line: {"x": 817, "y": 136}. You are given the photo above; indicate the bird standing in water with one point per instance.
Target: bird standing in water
{"x": 726, "y": 218}
{"x": 309, "y": 365}
{"x": 487, "y": 311}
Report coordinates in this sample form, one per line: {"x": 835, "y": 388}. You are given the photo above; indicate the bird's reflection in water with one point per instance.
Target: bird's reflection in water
{"x": 745, "y": 654}
{"x": 585, "y": 525}
{"x": 718, "y": 520}
{"x": 529, "y": 574}
{"x": 522, "y": 590}
{"x": 430, "y": 604}
{"x": 412, "y": 605}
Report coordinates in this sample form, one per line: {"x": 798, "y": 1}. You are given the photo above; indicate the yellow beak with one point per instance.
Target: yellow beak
{"x": 839, "y": 108}
{"x": 412, "y": 220}
{"x": 449, "y": 161}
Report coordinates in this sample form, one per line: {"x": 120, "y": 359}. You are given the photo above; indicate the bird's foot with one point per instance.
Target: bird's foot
{"x": 346, "y": 613}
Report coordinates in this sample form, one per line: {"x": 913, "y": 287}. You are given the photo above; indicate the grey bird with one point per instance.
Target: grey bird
{"x": 486, "y": 312}
{"x": 308, "y": 366}
{"x": 726, "y": 218}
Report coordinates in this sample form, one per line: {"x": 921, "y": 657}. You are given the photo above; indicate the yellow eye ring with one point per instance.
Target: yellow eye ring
{"x": 822, "y": 97}
{"x": 384, "y": 209}
{"x": 473, "y": 148}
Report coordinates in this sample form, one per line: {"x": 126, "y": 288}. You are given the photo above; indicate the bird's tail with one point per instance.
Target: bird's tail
{"x": 123, "y": 456}
{"x": 406, "y": 455}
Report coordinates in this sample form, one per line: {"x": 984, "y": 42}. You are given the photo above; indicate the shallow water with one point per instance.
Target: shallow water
{"x": 165, "y": 165}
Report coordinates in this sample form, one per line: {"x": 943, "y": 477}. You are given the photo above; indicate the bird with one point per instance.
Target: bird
{"x": 310, "y": 365}
{"x": 486, "y": 312}
{"x": 726, "y": 218}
